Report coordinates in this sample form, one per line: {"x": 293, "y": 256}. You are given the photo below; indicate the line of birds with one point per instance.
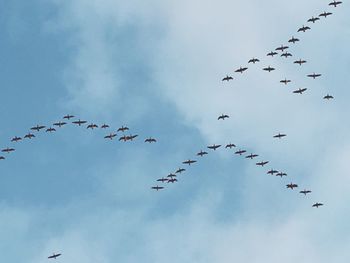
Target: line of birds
{"x": 79, "y": 122}
{"x": 173, "y": 176}
{"x": 287, "y": 54}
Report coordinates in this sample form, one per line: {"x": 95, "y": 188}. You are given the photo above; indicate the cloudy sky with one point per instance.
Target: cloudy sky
{"x": 156, "y": 67}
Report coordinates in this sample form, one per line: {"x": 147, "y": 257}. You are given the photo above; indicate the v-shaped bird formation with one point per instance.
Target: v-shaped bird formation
{"x": 284, "y": 52}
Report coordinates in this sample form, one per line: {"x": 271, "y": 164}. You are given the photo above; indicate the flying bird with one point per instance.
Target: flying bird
{"x": 172, "y": 180}
{"x": 230, "y": 145}
{"x": 29, "y": 135}
{"x": 131, "y": 137}
{"x": 305, "y": 192}
{"x": 189, "y": 162}
{"x": 92, "y": 126}
{"x": 280, "y": 174}
{"x": 214, "y": 147}
{"x": 272, "y": 53}
{"x": 79, "y": 122}
{"x": 269, "y": 69}
{"x": 314, "y": 75}
{"x": 223, "y": 117}
{"x": 286, "y": 54}
{"x": 68, "y": 117}
{"x": 335, "y": 3}
{"x": 50, "y": 130}
{"x": 281, "y": 48}
{"x": 279, "y": 136}
{"x": 285, "y": 81}
{"x": 123, "y": 129}
{"x": 293, "y": 40}
{"x": 150, "y": 140}
{"x": 180, "y": 170}
{"x": 328, "y": 97}
{"x": 104, "y": 126}
{"x": 171, "y": 176}
{"x": 59, "y": 124}
{"x": 16, "y": 139}
{"x": 54, "y": 256}
{"x": 227, "y": 78}
{"x": 157, "y": 187}
{"x": 272, "y": 172}
{"x": 251, "y": 156}
{"x": 38, "y": 127}
{"x": 2, "y": 158}
{"x": 292, "y": 186}
{"x": 162, "y": 180}
{"x": 300, "y": 62}
{"x": 300, "y": 91}
{"x": 325, "y": 14}
{"x": 110, "y": 136}
{"x": 241, "y": 70}
{"x": 313, "y": 19}
{"x": 262, "y": 163}
{"x": 8, "y": 150}
{"x": 240, "y": 152}
{"x": 201, "y": 153}
{"x": 317, "y": 205}
{"x": 304, "y": 29}
{"x": 253, "y": 60}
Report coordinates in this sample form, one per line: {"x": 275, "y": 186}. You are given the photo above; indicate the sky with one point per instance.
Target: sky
{"x": 156, "y": 67}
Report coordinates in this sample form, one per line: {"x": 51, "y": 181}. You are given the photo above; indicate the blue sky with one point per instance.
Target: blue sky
{"x": 157, "y": 67}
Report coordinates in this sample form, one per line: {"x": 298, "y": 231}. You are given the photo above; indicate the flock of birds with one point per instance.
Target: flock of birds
{"x": 283, "y": 49}
{"x": 49, "y": 129}
{"x": 173, "y": 176}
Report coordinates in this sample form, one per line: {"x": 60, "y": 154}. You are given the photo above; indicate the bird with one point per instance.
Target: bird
{"x": 305, "y": 192}
{"x": 285, "y": 81}
{"x": 29, "y": 135}
{"x": 16, "y": 139}
{"x": 59, "y": 124}
{"x": 241, "y": 70}
{"x": 279, "y": 136}
{"x": 280, "y": 174}
{"x": 253, "y": 60}
{"x": 286, "y": 54}
{"x": 269, "y": 69}
{"x": 272, "y": 53}
{"x": 214, "y": 146}
{"x": 293, "y": 40}
{"x": 325, "y": 14}
{"x": 335, "y": 3}
{"x": 50, "y": 130}
{"x": 92, "y": 126}
{"x": 227, "y": 78}
{"x": 304, "y": 29}
{"x": 328, "y": 97}
{"x": 150, "y": 140}
{"x": 230, "y": 145}
{"x": 300, "y": 62}
{"x": 180, "y": 170}
{"x": 314, "y": 75}
{"x": 291, "y": 186}
{"x": 123, "y": 129}
{"x": 104, "y": 126}
{"x": 79, "y": 122}
{"x": 272, "y": 172}
{"x": 281, "y": 48}
{"x": 68, "y": 117}
{"x": 313, "y": 19}
{"x": 201, "y": 153}
{"x": 300, "y": 91}
{"x": 251, "y": 156}
{"x": 223, "y": 117}
{"x": 157, "y": 187}
{"x": 317, "y": 205}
